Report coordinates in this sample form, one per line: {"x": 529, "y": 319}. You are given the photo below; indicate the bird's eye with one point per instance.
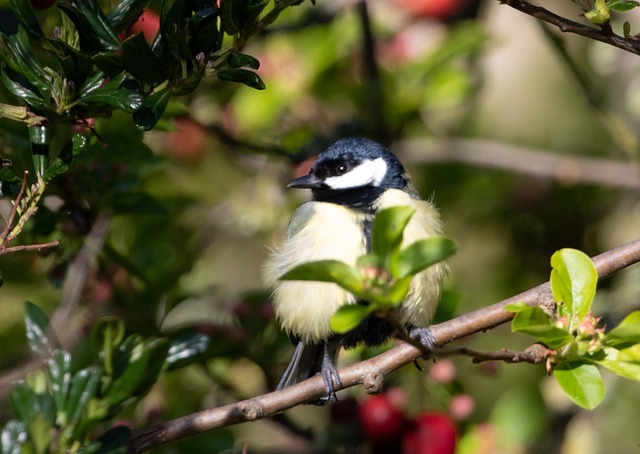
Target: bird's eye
{"x": 342, "y": 169}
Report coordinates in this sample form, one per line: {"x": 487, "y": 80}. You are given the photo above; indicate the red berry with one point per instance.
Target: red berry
{"x": 42, "y": 4}
{"x": 380, "y": 419}
{"x": 148, "y": 23}
{"x": 433, "y": 433}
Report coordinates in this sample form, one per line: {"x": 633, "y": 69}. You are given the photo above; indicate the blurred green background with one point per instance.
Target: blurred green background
{"x": 192, "y": 210}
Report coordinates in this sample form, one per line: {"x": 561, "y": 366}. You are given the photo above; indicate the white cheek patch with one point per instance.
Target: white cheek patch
{"x": 367, "y": 173}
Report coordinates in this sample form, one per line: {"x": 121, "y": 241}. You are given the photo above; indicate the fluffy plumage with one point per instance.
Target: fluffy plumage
{"x": 350, "y": 182}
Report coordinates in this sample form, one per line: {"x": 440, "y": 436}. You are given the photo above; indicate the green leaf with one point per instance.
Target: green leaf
{"x": 573, "y": 282}
{"x": 582, "y": 383}
{"x": 24, "y": 13}
{"x": 40, "y": 433}
{"x": 59, "y": 367}
{"x": 242, "y": 76}
{"x": 135, "y": 203}
{"x": 61, "y": 163}
{"x": 21, "y": 91}
{"x": 152, "y": 109}
{"x": 624, "y": 369}
{"x": 89, "y": 40}
{"x": 627, "y": 333}
{"x": 622, "y": 6}
{"x": 140, "y": 373}
{"x": 141, "y": 62}
{"x": 187, "y": 349}
{"x": 125, "y": 13}
{"x": 421, "y": 255}
{"x": 237, "y": 60}
{"x": 327, "y": 271}
{"x": 387, "y": 229}
{"x": 37, "y": 327}
{"x": 349, "y": 316}
{"x": 398, "y": 291}
{"x": 114, "y": 95}
{"x": 535, "y": 322}
{"x": 99, "y": 23}
{"x": 106, "y": 336}
{"x": 84, "y": 387}
{"x": 516, "y": 307}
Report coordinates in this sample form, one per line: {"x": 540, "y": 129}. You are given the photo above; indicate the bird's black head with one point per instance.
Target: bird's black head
{"x": 353, "y": 172}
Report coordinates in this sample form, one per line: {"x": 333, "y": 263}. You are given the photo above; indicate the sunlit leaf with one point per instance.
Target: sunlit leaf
{"x": 421, "y": 255}
{"x": 535, "y": 322}
{"x": 327, "y": 271}
{"x": 582, "y": 383}
{"x": 152, "y": 109}
{"x": 37, "y": 327}
{"x": 622, "y": 368}
{"x": 387, "y": 229}
{"x": 626, "y": 333}
{"x": 573, "y": 282}
{"x": 349, "y": 316}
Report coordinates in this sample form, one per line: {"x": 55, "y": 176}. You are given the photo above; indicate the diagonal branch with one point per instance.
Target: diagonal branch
{"x": 568, "y": 26}
{"x": 368, "y": 371}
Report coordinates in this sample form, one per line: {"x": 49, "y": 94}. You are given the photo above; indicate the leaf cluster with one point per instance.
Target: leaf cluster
{"x": 382, "y": 277}
{"x": 578, "y": 341}
{"x": 58, "y": 409}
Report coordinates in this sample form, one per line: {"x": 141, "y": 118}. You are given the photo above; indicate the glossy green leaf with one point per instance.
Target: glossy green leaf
{"x": 60, "y": 376}
{"x": 26, "y": 403}
{"x": 206, "y": 37}
{"x": 141, "y": 62}
{"x": 627, "y": 333}
{"x": 125, "y": 13}
{"x": 98, "y": 21}
{"x": 327, "y": 271}
{"x": 12, "y": 437}
{"x": 237, "y": 60}
{"x": 61, "y": 163}
{"x": 387, "y": 229}
{"x": 84, "y": 387}
{"x": 24, "y": 13}
{"x": 249, "y": 78}
{"x": 582, "y": 383}
{"x": 37, "y": 327}
{"x": 349, "y": 316}
{"x": 21, "y": 91}
{"x": 573, "y": 282}
{"x": 7, "y": 175}
{"x": 89, "y": 40}
{"x": 109, "y": 62}
{"x": 421, "y": 255}
{"x": 152, "y": 109}
{"x": 140, "y": 373}
{"x": 113, "y": 94}
{"x": 18, "y": 54}
{"x": 535, "y": 322}
{"x": 187, "y": 349}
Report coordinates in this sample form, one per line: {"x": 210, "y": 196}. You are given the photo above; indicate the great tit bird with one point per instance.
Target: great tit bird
{"x": 350, "y": 181}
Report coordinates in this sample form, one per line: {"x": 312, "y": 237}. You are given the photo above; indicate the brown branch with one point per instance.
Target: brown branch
{"x": 28, "y": 247}
{"x": 535, "y": 354}
{"x": 7, "y": 229}
{"x": 565, "y": 169}
{"x": 369, "y": 371}
{"x": 604, "y": 35}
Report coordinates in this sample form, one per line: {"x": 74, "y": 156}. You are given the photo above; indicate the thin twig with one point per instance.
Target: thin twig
{"x": 28, "y": 247}
{"x": 535, "y": 354}
{"x": 14, "y": 210}
{"x": 568, "y": 26}
{"x": 276, "y": 402}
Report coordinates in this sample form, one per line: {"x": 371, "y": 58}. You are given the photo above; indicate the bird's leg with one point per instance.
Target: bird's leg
{"x": 424, "y": 336}
{"x": 330, "y": 372}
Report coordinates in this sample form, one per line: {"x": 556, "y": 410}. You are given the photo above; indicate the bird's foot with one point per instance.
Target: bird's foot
{"x": 425, "y": 337}
{"x": 330, "y": 377}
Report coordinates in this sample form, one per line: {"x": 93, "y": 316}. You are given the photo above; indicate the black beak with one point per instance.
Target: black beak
{"x": 306, "y": 182}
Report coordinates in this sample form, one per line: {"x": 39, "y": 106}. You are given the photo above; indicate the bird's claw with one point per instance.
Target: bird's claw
{"x": 424, "y": 336}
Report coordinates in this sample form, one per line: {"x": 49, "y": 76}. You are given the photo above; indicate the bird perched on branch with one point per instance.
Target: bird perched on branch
{"x": 350, "y": 181}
